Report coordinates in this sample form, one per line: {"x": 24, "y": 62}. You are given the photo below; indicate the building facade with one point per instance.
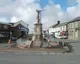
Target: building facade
{"x": 4, "y": 31}
{"x": 20, "y": 29}
{"x": 74, "y": 29}
{"x": 51, "y": 29}
{"x": 11, "y": 30}
{"x": 59, "y": 31}
{"x": 69, "y": 30}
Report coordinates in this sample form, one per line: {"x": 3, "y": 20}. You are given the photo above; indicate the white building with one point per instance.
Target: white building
{"x": 51, "y": 29}
{"x": 59, "y": 30}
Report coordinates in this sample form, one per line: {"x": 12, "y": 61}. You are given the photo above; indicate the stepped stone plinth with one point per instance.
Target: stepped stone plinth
{"x": 37, "y": 37}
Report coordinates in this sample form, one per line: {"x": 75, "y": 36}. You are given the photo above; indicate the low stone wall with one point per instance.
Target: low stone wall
{"x": 23, "y": 43}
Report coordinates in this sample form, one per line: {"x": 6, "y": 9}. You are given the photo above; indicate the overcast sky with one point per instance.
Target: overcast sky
{"x": 54, "y": 10}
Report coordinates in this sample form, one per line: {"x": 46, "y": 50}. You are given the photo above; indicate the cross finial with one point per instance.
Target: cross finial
{"x": 38, "y": 17}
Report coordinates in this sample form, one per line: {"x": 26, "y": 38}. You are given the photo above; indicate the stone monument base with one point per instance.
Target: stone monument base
{"x": 37, "y": 44}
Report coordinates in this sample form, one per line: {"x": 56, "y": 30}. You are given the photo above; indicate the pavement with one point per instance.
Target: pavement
{"x": 32, "y": 50}
{"x": 2, "y": 45}
{"x": 5, "y": 48}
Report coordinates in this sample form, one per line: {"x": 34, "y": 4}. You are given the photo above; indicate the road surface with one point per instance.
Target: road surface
{"x": 43, "y": 58}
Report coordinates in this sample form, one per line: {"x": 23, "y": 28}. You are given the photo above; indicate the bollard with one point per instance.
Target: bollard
{"x": 9, "y": 42}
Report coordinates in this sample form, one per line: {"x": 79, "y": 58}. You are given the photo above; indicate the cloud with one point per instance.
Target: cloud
{"x": 78, "y": 1}
{"x": 72, "y": 2}
{"x": 19, "y": 10}
{"x": 14, "y": 19}
{"x": 73, "y": 11}
{"x": 52, "y": 14}
{"x": 14, "y": 10}
{"x": 3, "y": 20}
{"x": 5, "y": 2}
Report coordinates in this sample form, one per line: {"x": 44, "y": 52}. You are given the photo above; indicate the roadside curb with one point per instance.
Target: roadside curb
{"x": 34, "y": 52}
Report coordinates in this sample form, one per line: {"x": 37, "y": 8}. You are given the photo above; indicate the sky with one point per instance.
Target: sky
{"x": 52, "y": 10}
{"x": 63, "y": 3}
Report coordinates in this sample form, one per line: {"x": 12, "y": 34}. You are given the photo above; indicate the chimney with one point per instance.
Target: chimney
{"x": 58, "y": 22}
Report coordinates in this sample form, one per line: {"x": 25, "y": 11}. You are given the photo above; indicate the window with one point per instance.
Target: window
{"x": 76, "y": 24}
{"x": 5, "y": 27}
{"x": 0, "y": 25}
{"x": 71, "y": 33}
{"x": 72, "y": 25}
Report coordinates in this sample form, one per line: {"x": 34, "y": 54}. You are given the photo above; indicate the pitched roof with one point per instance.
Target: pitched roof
{"x": 62, "y": 24}
{"x": 22, "y": 23}
{"x": 75, "y": 20}
{"x": 52, "y": 26}
{"x": 58, "y": 25}
{"x": 6, "y": 23}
